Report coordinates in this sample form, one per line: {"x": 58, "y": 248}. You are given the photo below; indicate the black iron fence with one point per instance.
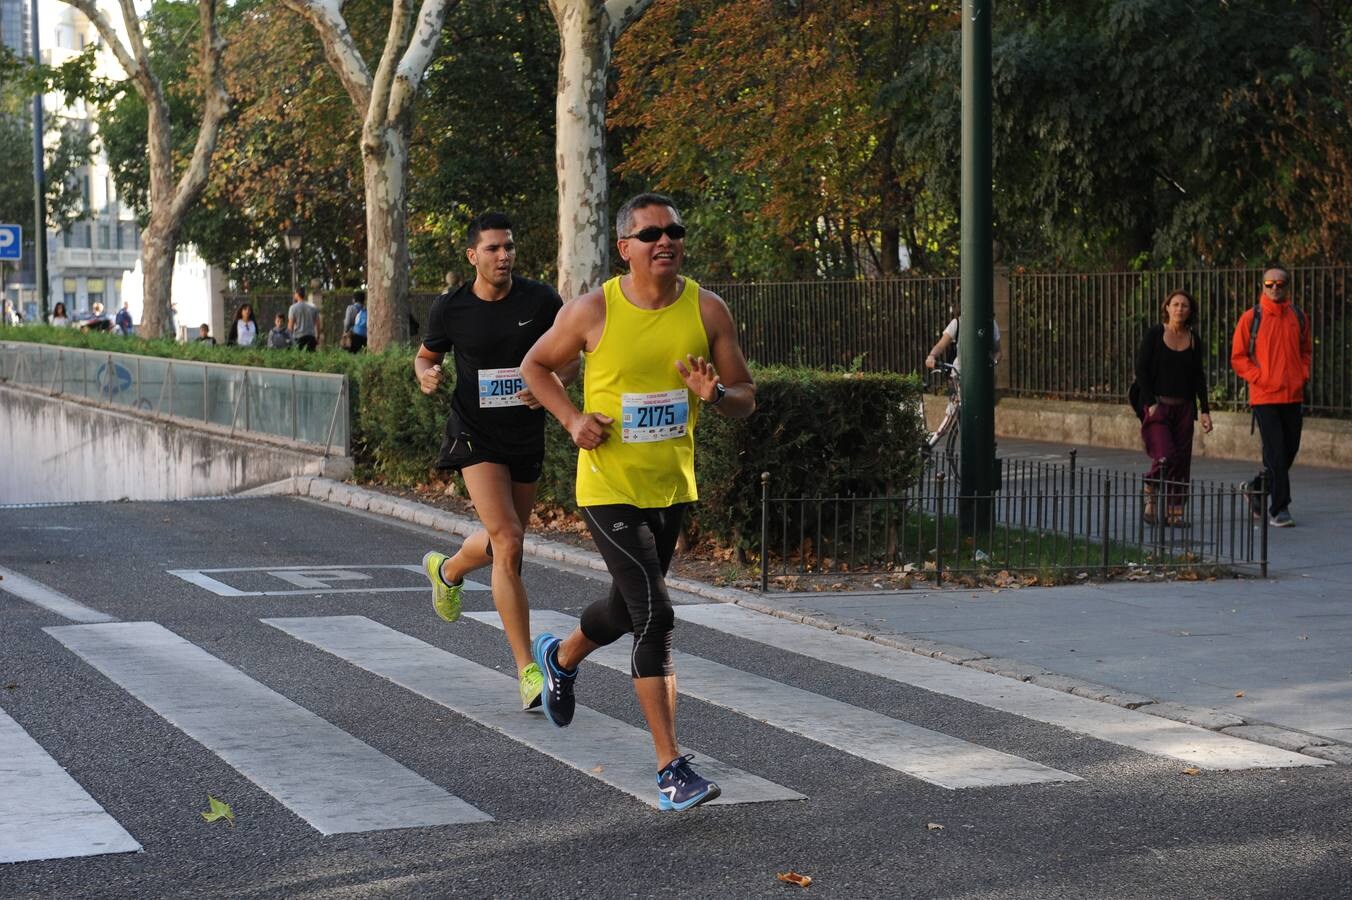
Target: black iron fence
{"x": 1068, "y": 336}
{"x": 1075, "y": 336}
{"x": 1054, "y": 520}
{"x": 880, "y": 325}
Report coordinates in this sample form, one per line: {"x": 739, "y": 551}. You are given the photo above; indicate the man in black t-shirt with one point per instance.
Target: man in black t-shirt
{"x": 495, "y": 433}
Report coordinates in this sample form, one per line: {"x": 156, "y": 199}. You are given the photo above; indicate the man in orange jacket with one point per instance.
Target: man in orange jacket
{"x": 1276, "y": 364}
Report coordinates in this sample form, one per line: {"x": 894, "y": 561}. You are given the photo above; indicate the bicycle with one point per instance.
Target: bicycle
{"x": 944, "y": 438}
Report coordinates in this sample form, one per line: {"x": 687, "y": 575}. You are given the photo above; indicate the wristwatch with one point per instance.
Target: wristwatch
{"x": 719, "y": 393}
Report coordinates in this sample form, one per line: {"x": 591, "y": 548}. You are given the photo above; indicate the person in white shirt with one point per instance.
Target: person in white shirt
{"x": 244, "y": 329}
{"x": 949, "y": 338}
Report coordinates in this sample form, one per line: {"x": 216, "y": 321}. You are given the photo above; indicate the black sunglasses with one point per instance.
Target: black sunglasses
{"x": 653, "y": 232}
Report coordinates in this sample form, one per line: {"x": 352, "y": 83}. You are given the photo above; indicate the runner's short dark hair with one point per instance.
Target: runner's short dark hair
{"x": 489, "y": 221}
{"x": 624, "y": 219}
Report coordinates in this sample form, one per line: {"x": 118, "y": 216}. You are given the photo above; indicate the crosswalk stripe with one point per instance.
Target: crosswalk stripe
{"x": 607, "y": 749}
{"x": 928, "y": 755}
{"x": 1128, "y": 728}
{"x": 53, "y": 601}
{"x": 44, "y": 813}
{"x": 321, "y": 773}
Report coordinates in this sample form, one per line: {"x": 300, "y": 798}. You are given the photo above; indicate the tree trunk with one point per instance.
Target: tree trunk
{"x": 159, "y": 239}
{"x": 158, "y": 247}
{"x": 385, "y": 162}
{"x": 580, "y": 154}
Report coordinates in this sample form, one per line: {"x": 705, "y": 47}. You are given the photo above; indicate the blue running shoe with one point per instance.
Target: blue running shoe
{"x": 681, "y": 787}
{"x": 557, "y": 696}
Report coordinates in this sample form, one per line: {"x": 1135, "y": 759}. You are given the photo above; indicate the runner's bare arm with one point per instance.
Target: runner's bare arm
{"x": 577, "y": 327}
{"x": 427, "y": 369}
{"x": 726, "y": 364}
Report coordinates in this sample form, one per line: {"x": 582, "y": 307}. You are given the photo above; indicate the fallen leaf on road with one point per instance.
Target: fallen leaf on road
{"x": 1239, "y": 693}
{"x": 934, "y": 826}
{"x": 1192, "y": 770}
{"x": 792, "y": 877}
{"x": 219, "y": 810}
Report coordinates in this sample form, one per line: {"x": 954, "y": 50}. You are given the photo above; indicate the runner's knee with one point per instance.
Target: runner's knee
{"x": 652, "y": 645}
{"x": 505, "y": 545}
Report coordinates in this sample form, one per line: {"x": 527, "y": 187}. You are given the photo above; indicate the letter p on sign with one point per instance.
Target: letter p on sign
{"x": 11, "y": 241}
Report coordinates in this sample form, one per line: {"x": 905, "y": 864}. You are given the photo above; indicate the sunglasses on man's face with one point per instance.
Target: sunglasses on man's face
{"x": 1275, "y": 283}
{"x": 652, "y": 233}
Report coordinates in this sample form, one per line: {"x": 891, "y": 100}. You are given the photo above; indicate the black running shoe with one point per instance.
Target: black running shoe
{"x": 557, "y": 696}
{"x": 681, "y": 787}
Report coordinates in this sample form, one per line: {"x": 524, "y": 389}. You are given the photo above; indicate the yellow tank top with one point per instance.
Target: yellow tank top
{"x": 648, "y": 460}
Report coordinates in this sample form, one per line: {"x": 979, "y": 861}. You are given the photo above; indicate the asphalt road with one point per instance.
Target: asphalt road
{"x": 1073, "y": 815}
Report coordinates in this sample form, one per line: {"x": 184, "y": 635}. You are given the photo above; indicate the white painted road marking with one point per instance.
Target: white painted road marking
{"x": 928, "y": 755}
{"x": 321, "y": 773}
{"x": 44, "y": 813}
{"x": 308, "y": 580}
{"x": 1129, "y": 728}
{"x": 604, "y": 748}
{"x": 27, "y": 589}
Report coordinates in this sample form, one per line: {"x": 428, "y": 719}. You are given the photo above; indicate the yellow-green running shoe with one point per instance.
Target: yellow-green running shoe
{"x": 445, "y": 597}
{"x": 532, "y": 683}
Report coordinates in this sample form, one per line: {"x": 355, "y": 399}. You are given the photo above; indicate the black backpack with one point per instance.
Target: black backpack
{"x": 1258, "y": 320}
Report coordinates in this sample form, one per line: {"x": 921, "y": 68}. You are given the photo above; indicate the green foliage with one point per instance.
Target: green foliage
{"x": 817, "y": 434}
{"x": 485, "y": 138}
{"x": 69, "y": 148}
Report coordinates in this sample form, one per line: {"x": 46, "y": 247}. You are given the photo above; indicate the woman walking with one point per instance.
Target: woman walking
{"x": 1171, "y": 378}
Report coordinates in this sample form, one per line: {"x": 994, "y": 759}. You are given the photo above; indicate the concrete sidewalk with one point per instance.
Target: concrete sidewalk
{"x": 1276, "y": 651}
{"x": 1270, "y": 660}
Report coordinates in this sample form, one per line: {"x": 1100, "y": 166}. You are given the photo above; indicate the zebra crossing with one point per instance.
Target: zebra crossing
{"x": 338, "y": 784}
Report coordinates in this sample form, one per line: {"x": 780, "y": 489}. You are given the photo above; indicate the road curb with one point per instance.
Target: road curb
{"x": 359, "y": 498}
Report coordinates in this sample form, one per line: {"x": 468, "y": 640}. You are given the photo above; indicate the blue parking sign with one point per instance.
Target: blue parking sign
{"x": 11, "y": 241}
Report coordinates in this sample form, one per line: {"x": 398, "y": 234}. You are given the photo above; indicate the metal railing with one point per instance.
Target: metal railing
{"x": 307, "y": 409}
{"x": 879, "y": 325}
{"x": 1055, "y": 520}
{"x": 1075, "y": 336}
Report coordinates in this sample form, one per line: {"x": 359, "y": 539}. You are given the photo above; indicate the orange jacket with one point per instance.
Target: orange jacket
{"x": 1280, "y": 364}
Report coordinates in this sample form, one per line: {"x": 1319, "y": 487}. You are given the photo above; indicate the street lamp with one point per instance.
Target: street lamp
{"x": 293, "y": 245}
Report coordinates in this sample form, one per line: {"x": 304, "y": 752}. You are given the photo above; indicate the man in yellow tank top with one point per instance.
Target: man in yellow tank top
{"x": 658, "y": 349}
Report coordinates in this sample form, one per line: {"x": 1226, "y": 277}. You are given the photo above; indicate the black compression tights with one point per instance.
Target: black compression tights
{"x": 637, "y": 545}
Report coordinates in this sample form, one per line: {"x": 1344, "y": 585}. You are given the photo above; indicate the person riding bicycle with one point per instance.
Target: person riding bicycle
{"x": 949, "y": 338}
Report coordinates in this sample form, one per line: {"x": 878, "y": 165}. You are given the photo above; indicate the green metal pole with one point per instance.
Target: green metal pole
{"x": 976, "y": 336}
{"x": 39, "y": 183}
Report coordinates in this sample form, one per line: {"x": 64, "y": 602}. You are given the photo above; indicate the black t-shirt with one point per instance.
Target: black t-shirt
{"x": 486, "y": 335}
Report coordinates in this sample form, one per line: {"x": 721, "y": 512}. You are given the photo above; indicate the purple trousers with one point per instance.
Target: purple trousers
{"x": 1167, "y": 434}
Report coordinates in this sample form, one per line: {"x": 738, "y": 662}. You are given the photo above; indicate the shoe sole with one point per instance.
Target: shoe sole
{"x": 537, "y": 653}
{"x": 666, "y": 805}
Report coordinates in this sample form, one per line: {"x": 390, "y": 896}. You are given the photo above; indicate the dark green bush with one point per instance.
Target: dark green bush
{"x": 817, "y": 433}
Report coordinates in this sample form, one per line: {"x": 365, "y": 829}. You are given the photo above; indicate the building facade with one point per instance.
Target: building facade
{"x": 86, "y": 261}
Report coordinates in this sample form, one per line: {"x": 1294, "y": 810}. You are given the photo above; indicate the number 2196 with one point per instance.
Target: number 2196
{"x": 653, "y": 416}
{"x": 505, "y": 387}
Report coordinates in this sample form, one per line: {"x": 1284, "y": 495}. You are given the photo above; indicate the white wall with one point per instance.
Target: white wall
{"x": 57, "y": 450}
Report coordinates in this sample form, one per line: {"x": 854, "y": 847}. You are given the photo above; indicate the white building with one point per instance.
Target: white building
{"x": 90, "y": 262}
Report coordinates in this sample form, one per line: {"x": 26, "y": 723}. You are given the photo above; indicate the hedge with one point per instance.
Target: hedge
{"x": 818, "y": 434}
